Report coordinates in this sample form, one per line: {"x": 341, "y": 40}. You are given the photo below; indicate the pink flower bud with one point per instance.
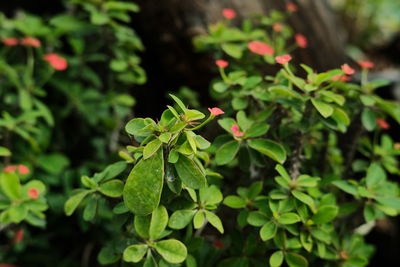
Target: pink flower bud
{"x": 221, "y": 63}
{"x": 291, "y": 7}
{"x": 216, "y": 111}
{"x": 236, "y": 130}
{"x": 19, "y": 235}
{"x": 301, "y": 40}
{"x": 277, "y": 27}
{"x": 10, "y": 41}
{"x": 56, "y": 61}
{"x": 23, "y": 169}
{"x": 283, "y": 59}
{"x": 382, "y": 124}
{"x": 229, "y": 13}
{"x": 10, "y": 168}
{"x": 260, "y": 48}
{"x": 347, "y": 69}
{"x": 33, "y": 193}
{"x": 30, "y": 41}
{"x": 366, "y": 64}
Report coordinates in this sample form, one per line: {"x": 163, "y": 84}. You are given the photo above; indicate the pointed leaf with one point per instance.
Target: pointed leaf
{"x": 142, "y": 191}
{"x": 171, "y": 250}
{"x": 189, "y": 173}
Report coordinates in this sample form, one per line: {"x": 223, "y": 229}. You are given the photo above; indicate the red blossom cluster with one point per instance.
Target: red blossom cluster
{"x": 22, "y": 169}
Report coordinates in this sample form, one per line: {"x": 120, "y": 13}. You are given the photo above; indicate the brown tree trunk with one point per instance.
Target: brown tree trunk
{"x": 182, "y": 19}
{"x": 168, "y": 26}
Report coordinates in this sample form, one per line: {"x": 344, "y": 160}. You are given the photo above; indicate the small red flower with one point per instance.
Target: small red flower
{"x": 277, "y": 27}
{"x": 291, "y": 7}
{"x": 382, "y": 123}
{"x": 221, "y": 63}
{"x": 10, "y": 168}
{"x": 216, "y": 111}
{"x": 218, "y": 244}
{"x": 33, "y": 193}
{"x": 19, "y": 235}
{"x": 236, "y": 130}
{"x": 260, "y": 48}
{"x": 301, "y": 40}
{"x": 347, "y": 69}
{"x": 283, "y": 59}
{"x": 30, "y": 41}
{"x": 366, "y": 64}
{"x": 229, "y": 13}
{"x": 56, "y": 61}
{"x": 340, "y": 77}
{"x": 396, "y": 146}
{"x": 23, "y": 169}
{"x": 10, "y": 41}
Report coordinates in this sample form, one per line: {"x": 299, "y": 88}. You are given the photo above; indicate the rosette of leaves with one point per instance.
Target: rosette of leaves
{"x": 152, "y": 230}
{"x": 101, "y": 184}
{"x": 15, "y": 203}
{"x": 377, "y": 196}
{"x": 169, "y": 152}
{"x": 296, "y": 216}
{"x": 249, "y": 145}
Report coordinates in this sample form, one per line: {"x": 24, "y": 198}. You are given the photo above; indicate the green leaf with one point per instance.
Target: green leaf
{"x": 165, "y": 137}
{"x": 268, "y": 231}
{"x": 269, "y": 148}
{"x": 284, "y": 91}
{"x": 393, "y": 202}
{"x": 198, "y": 219}
{"x": 375, "y": 175}
{"x": 210, "y": 195}
{"x": 233, "y": 50}
{"x": 304, "y": 198}
{"x": 346, "y": 187}
{"x": 332, "y": 97}
{"x": 142, "y": 226}
{"x": 257, "y": 129}
{"x": 257, "y": 218}
{"x": 276, "y": 259}
{"x": 10, "y": 185}
{"x": 181, "y": 218}
{"x": 135, "y": 253}
{"x": 90, "y": 209}
{"x": 215, "y": 221}
{"x": 142, "y": 191}
{"x": 295, "y": 260}
{"x": 189, "y": 173}
{"x": 4, "y": 152}
{"x": 307, "y": 181}
{"x": 179, "y": 102}
{"x": 112, "y": 188}
{"x": 123, "y": 6}
{"x": 193, "y": 114}
{"x": 53, "y": 163}
{"x": 289, "y": 218}
{"x": 138, "y": 127}
{"x": 325, "y": 214}
{"x": 73, "y": 202}
{"x": 323, "y": 108}
{"x": 368, "y": 118}
{"x": 282, "y": 171}
{"x": 158, "y": 223}
{"x": 151, "y": 148}
{"x": 220, "y": 87}
{"x": 227, "y": 152}
{"x": 235, "y": 202}
{"x": 171, "y": 250}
